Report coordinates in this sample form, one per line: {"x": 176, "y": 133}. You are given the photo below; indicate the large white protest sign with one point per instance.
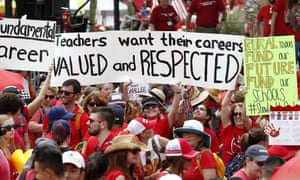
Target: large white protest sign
{"x": 26, "y": 44}
{"x": 206, "y": 60}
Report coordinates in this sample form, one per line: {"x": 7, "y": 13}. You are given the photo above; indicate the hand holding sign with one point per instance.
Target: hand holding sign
{"x": 271, "y": 131}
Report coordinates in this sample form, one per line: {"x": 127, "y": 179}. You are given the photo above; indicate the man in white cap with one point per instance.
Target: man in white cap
{"x": 74, "y": 165}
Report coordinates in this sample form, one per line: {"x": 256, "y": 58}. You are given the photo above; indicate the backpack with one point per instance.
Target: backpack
{"x": 220, "y": 171}
{"x": 234, "y": 164}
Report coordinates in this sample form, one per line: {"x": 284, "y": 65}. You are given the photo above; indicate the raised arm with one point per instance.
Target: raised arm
{"x": 37, "y": 102}
{"x": 175, "y": 105}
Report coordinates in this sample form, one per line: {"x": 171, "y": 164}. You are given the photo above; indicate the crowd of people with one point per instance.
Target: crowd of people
{"x": 98, "y": 132}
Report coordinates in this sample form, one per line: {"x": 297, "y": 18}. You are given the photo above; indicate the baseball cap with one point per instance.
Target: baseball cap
{"x": 138, "y": 125}
{"x": 149, "y": 101}
{"x": 257, "y": 152}
{"x": 63, "y": 122}
{"x": 73, "y": 157}
{"x": 58, "y": 112}
{"x": 118, "y": 112}
{"x": 11, "y": 89}
{"x": 180, "y": 147}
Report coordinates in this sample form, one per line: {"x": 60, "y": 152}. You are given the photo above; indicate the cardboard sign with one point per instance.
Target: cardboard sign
{"x": 284, "y": 127}
{"x": 270, "y": 73}
{"x": 26, "y": 44}
{"x": 205, "y": 60}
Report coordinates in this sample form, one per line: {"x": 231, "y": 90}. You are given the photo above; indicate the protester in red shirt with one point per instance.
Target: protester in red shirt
{"x": 207, "y": 12}
{"x": 165, "y": 122}
{"x": 179, "y": 156}
{"x": 35, "y": 124}
{"x": 123, "y": 157}
{"x": 163, "y": 17}
{"x": 235, "y": 123}
{"x": 278, "y": 12}
{"x": 193, "y": 132}
{"x": 264, "y": 15}
{"x": 100, "y": 123}
{"x": 69, "y": 94}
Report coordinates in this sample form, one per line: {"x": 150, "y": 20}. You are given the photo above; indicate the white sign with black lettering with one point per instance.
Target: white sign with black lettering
{"x": 206, "y": 60}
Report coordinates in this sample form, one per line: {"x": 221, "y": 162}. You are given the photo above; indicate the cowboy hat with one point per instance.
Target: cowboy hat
{"x": 124, "y": 142}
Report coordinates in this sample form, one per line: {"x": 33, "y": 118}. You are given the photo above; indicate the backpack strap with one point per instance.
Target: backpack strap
{"x": 77, "y": 122}
{"x": 43, "y": 112}
{"x": 198, "y": 159}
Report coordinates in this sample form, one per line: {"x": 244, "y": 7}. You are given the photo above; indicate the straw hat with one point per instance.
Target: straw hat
{"x": 124, "y": 142}
{"x": 215, "y": 94}
{"x": 198, "y": 97}
{"x": 155, "y": 92}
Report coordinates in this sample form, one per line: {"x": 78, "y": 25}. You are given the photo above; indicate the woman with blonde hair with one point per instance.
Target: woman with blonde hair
{"x": 7, "y": 144}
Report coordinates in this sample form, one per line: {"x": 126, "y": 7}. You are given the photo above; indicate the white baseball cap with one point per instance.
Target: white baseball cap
{"x": 73, "y": 157}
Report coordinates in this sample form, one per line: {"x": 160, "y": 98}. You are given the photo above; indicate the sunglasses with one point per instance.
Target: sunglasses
{"x": 49, "y": 96}
{"x": 67, "y": 93}
{"x": 7, "y": 128}
{"x": 151, "y": 106}
{"x": 94, "y": 103}
{"x": 237, "y": 114}
{"x": 95, "y": 120}
{"x": 260, "y": 163}
{"x": 134, "y": 151}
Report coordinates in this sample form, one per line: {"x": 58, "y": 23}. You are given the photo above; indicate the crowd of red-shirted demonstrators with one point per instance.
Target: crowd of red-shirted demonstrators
{"x": 173, "y": 132}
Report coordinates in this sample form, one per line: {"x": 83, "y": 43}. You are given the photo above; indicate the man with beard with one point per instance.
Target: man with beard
{"x": 100, "y": 123}
{"x": 69, "y": 94}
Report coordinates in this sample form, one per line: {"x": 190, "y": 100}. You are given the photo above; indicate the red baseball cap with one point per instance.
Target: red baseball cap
{"x": 180, "y": 147}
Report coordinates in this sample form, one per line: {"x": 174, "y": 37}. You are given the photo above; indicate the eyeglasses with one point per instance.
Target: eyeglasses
{"x": 134, "y": 151}
{"x": 237, "y": 114}
{"x": 67, "y": 93}
{"x": 260, "y": 163}
{"x": 95, "y": 120}
{"x": 151, "y": 106}
{"x": 49, "y": 96}
{"x": 95, "y": 103}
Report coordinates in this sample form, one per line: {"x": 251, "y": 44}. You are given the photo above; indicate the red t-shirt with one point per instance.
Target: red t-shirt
{"x": 231, "y": 141}
{"x": 265, "y": 15}
{"x": 207, "y": 11}
{"x": 93, "y": 145}
{"x": 32, "y": 135}
{"x": 214, "y": 144}
{"x": 162, "y": 127}
{"x": 207, "y": 161}
{"x": 163, "y": 19}
{"x": 112, "y": 175}
{"x": 280, "y": 7}
{"x": 4, "y": 167}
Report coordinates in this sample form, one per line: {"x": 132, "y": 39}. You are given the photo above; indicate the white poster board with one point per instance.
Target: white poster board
{"x": 284, "y": 126}
{"x": 203, "y": 60}
{"x": 26, "y": 44}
